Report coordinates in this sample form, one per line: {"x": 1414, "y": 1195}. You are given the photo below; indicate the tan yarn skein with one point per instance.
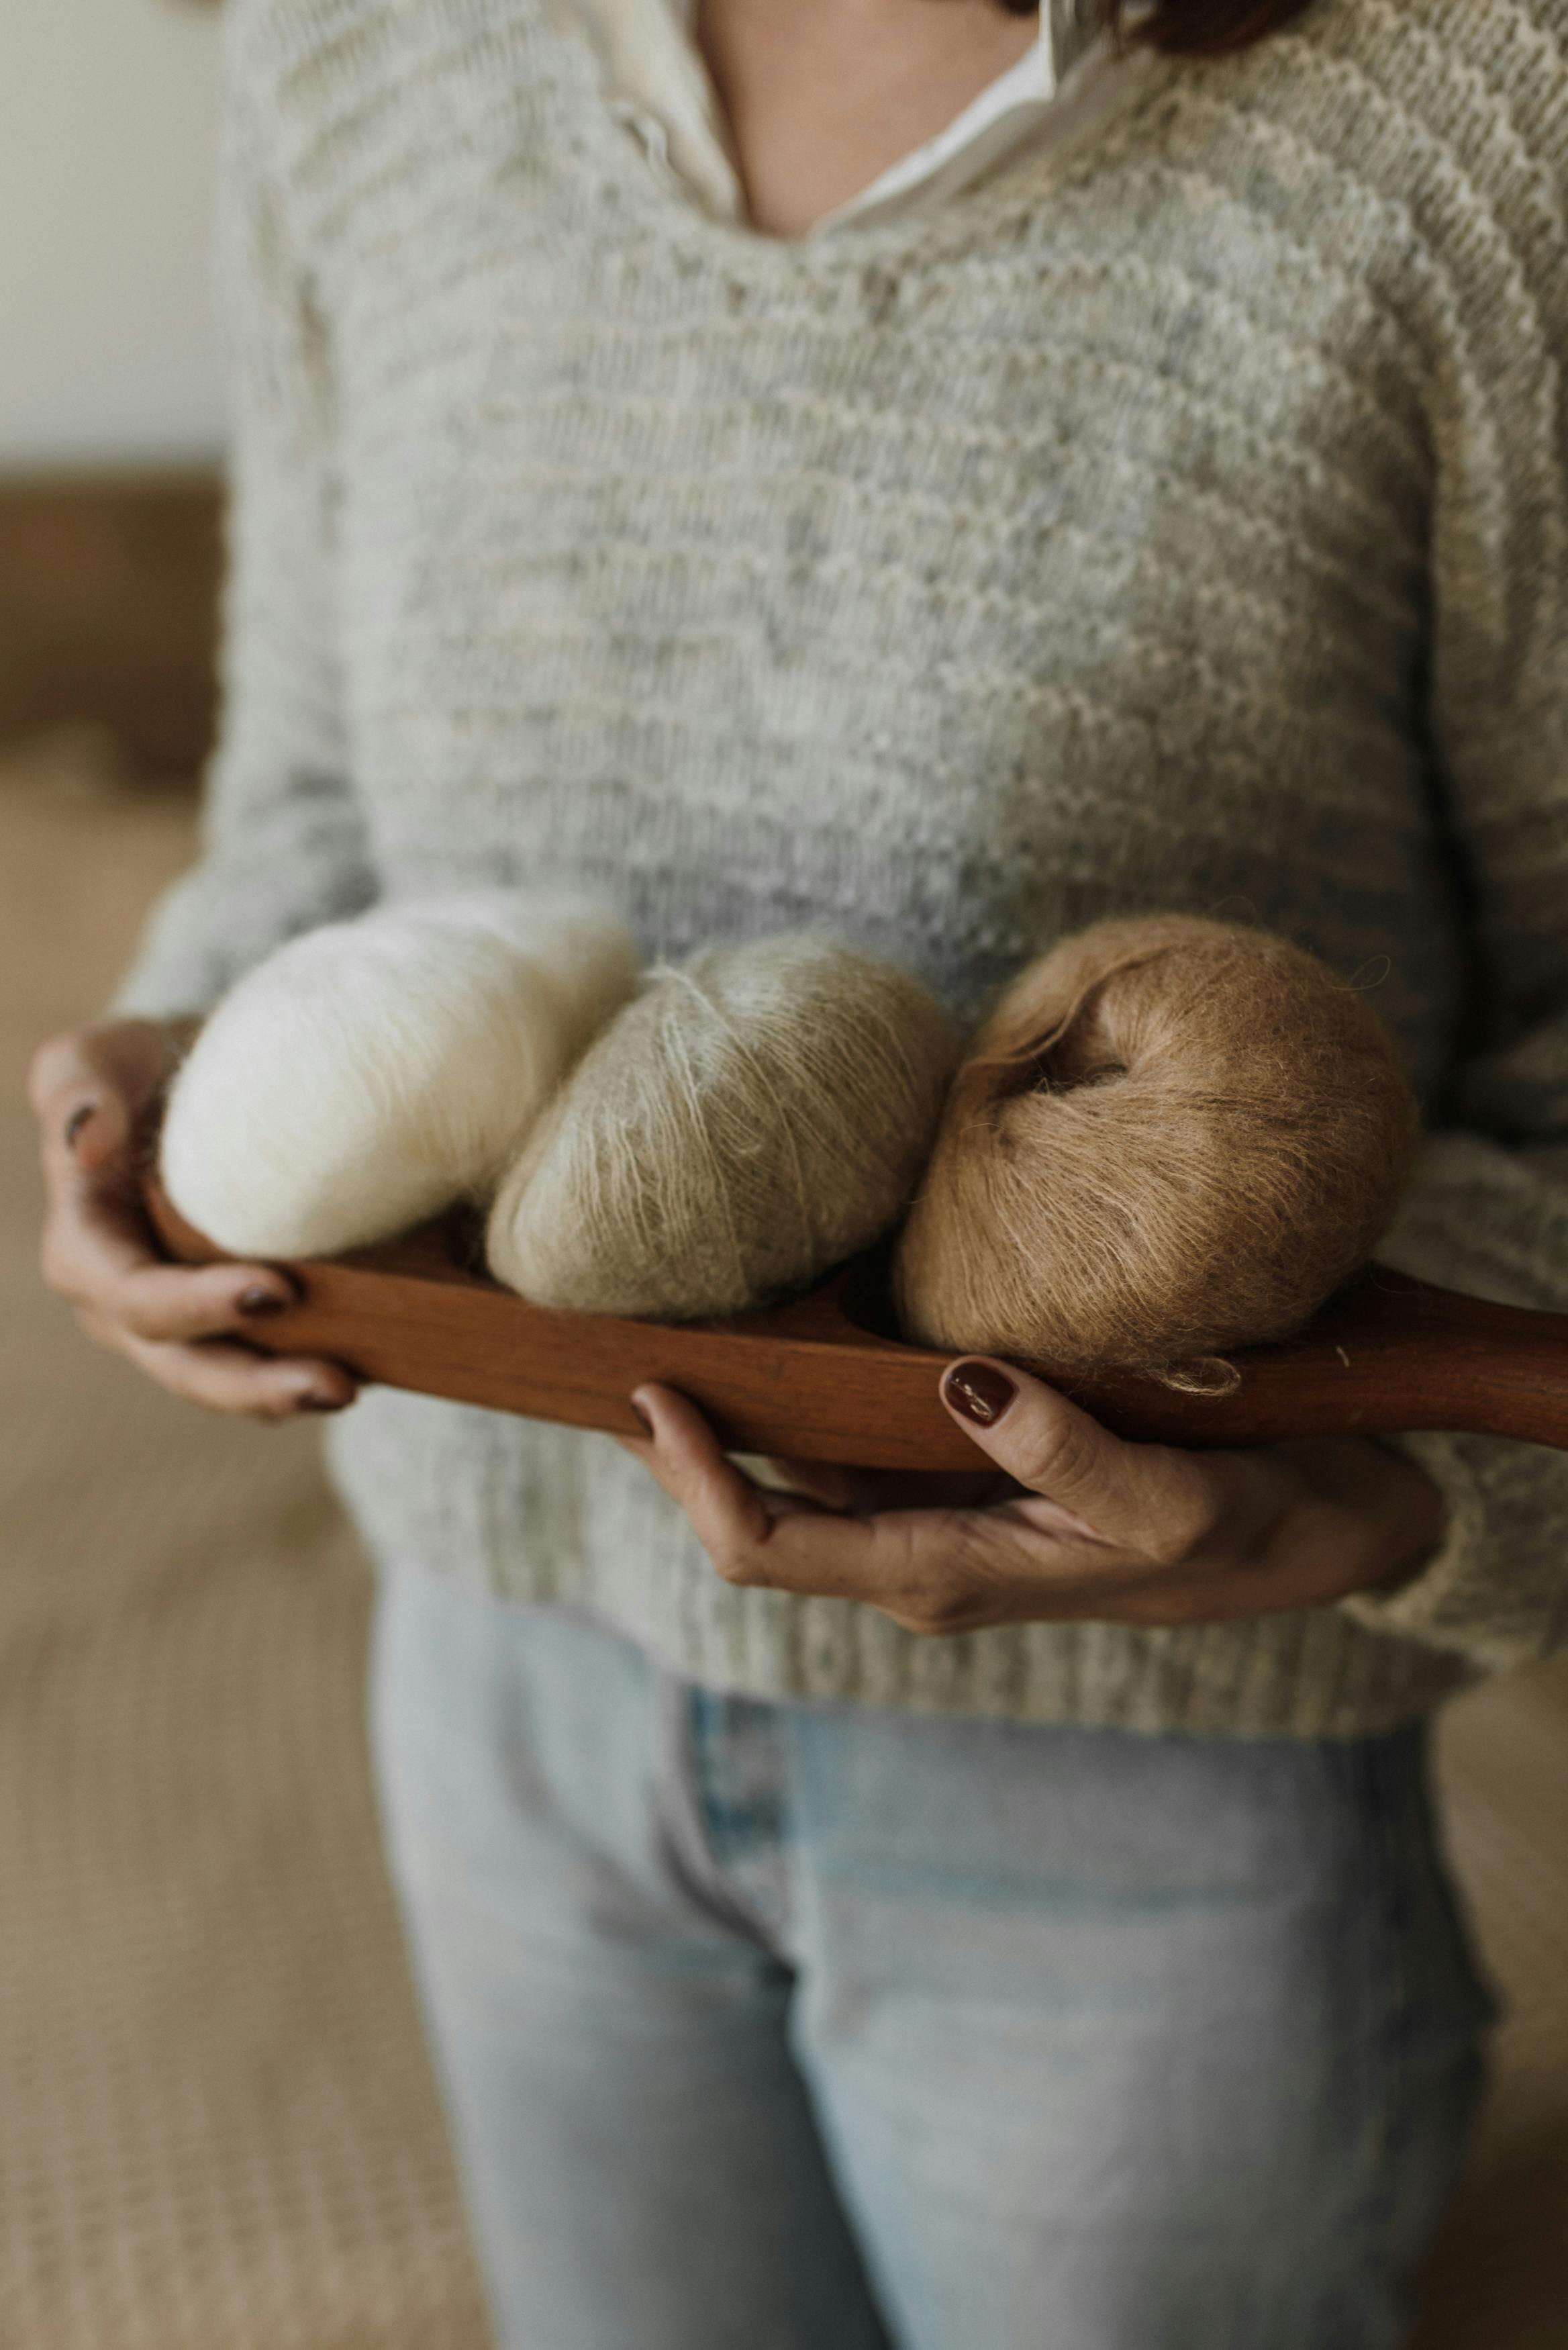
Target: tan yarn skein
{"x": 1172, "y": 1136}
{"x": 752, "y": 1117}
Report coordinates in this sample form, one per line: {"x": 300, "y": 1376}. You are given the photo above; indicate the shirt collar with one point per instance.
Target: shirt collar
{"x": 1002, "y": 116}
{"x": 657, "y": 77}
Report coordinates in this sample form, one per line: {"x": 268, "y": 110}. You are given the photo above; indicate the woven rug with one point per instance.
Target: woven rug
{"x": 217, "y": 2125}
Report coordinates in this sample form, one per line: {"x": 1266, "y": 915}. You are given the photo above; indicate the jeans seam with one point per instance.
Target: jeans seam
{"x": 683, "y": 1810}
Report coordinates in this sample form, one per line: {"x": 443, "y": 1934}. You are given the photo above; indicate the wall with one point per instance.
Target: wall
{"x": 107, "y": 127}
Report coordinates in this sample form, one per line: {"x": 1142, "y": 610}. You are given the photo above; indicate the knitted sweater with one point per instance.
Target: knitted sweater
{"x": 1175, "y": 520}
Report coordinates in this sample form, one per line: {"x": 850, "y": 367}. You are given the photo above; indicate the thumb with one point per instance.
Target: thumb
{"x": 80, "y": 1107}
{"x": 92, "y": 1088}
{"x": 1121, "y": 1491}
{"x": 95, "y": 1128}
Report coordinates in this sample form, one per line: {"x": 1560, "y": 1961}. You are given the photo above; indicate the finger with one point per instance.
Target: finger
{"x": 752, "y": 1467}
{"x": 92, "y": 1086}
{"x": 783, "y": 1540}
{"x": 226, "y": 1376}
{"x": 911, "y": 1564}
{"x": 692, "y": 1465}
{"x": 862, "y": 1490}
{"x": 164, "y": 1302}
{"x": 932, "y": 1570}
{"x": 98, "y": 1250}
{"x": 1137, "y": 1497}
{"x": 1237, "y": 1591}
{"x": 94, "y": 1127}
{"x": 82, "y": 1107}
{"x": 827, "y": 1482}
{"x": 87, "y": 1128}
{"x": 58, "y": 1064}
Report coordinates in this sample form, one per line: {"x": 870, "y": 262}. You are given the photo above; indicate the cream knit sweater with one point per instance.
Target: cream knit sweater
{"x": 1178, "y": 519}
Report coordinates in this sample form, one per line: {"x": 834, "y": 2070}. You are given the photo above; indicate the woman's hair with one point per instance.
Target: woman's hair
{"x": 1191, "y": 27}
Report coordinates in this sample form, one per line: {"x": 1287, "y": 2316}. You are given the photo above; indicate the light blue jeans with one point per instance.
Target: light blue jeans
{"x": 790, "y": 2027}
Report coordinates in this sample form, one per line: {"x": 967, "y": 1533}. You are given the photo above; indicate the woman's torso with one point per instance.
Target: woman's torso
{"x": 945, "y": 584}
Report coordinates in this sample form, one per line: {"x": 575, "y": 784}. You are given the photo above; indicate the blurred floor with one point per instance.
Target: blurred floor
{"x": 217, "y": 2129}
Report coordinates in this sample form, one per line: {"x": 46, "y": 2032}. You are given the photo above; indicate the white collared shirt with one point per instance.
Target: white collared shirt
{"x": 656, "y": 74}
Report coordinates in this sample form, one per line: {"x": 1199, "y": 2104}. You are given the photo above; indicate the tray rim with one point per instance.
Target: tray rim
{"x": 808, "y": 1379}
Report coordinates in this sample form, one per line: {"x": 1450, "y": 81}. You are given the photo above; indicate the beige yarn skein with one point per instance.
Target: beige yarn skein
{"x": 1172, "y": 1136}
{"x": 370, "y": 1072}
{"x": 755, "y": 1116}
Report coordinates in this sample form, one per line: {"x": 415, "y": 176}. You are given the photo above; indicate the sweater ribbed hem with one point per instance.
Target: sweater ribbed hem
{"x": 550, "y": 1516}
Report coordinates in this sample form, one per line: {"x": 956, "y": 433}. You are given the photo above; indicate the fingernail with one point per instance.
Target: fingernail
{"x": 325, "y": 1403}
{"x": 76, "y": 1120}
{"x": 643, "y": 1416}
{"x": 980, "y": 1391}
{"x": 261, "y": 1301}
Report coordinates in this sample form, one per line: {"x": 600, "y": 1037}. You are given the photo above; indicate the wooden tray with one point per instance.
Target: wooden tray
{"x": 822, "y": 1380}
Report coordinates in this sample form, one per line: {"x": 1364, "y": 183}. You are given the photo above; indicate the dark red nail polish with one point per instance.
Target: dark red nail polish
{"x": 76, "y": 1120}
{"x": 261, "y": 1301}
{"x": 980, "y": 1391}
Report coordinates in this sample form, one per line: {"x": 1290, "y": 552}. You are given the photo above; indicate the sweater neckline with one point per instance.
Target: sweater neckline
{"x": 629, "y": 157}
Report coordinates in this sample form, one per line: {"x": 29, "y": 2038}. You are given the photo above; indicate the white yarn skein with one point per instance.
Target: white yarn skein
{"x": 753, "y": 1119}
{"x": 371, "y": 1072}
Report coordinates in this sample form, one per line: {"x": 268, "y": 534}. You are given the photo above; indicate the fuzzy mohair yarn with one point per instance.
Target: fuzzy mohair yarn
{"x": 756, "y": 1114}
{"x": 371, "y": 1072}
{"x": 1172, "y": 1136}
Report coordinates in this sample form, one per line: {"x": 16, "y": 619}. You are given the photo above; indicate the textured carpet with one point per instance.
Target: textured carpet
{"x": 217, "y": 2127}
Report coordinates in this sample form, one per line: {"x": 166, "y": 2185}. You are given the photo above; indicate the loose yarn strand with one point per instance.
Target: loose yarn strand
{"x": 758, "y": 1068}
{"x": 684, "y": 1068}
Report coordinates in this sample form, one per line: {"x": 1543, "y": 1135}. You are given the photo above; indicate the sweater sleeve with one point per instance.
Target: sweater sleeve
{"x": 284, "y": 843}
{"x": 1487, "y": 1210}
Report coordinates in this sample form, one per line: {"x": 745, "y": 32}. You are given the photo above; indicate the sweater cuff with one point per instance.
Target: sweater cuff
{"x": 139, "y": 1000}
{"x": 1447, "y": 1603}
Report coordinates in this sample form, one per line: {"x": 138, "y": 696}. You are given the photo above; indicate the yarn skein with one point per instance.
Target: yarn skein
{"x": 370, "y": 1072}
{"x": 1172, "y": 1136}
{"x": 755, "y": 1116}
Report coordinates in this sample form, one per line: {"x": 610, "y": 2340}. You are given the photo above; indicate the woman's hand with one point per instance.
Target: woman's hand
{"x": 1069, "y": 1522}
{"x": 96, "y": 1092}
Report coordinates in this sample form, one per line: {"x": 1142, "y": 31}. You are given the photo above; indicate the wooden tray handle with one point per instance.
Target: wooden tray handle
{"x": 818, "y": 1380}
